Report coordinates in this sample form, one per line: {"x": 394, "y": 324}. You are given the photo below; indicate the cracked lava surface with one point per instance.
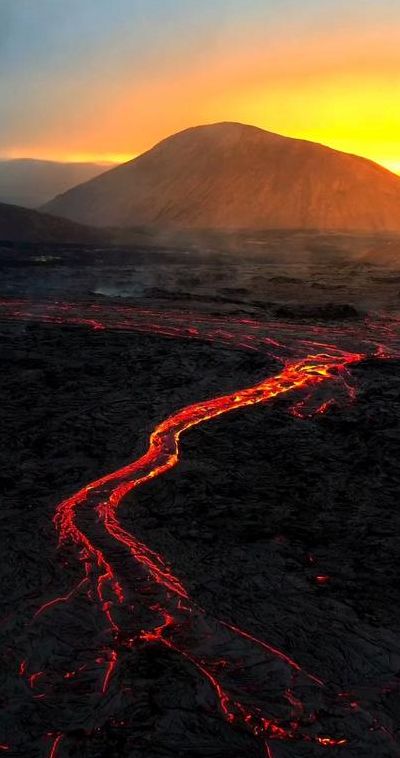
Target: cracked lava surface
{"x": 141, "y": 601}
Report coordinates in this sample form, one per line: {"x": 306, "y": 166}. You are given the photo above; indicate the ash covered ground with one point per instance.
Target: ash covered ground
{"x": 286, "y": 527}
{"x": 239, "y": 275}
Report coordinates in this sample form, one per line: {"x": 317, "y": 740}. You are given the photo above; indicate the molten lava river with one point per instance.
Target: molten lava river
{"x": 139, "y": 601}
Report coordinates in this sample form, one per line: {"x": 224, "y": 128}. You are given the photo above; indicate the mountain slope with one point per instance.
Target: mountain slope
{"x": 26, "y": 225}
{"x": 234, "y": 176}
{"x": 30, "y": 183}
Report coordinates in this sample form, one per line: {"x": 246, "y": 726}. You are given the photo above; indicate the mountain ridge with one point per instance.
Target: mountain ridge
{"x": 229, "y": 175}
{"x": 18, "y": 224}
{"x": 31, "y": 182}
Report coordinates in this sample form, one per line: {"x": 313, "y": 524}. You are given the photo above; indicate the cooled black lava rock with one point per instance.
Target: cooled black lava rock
{"x": 327, "y": 312}
{"x": 261, "y": 505}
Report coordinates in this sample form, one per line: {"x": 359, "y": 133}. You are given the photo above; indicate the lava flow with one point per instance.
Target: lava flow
{"x": 142, "y": 601}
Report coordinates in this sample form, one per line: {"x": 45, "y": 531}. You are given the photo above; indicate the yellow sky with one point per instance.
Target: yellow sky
{"x": 339, "y": 86}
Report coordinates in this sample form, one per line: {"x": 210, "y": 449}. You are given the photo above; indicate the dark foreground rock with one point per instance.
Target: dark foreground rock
{"x": 322, "y": 312}
{"x": 288, "y": 528}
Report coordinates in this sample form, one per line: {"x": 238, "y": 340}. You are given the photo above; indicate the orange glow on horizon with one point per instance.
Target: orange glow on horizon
{"x": 393, "y": 166}
{"x": 108, "y": 160}
{"x": 337, "y": 87}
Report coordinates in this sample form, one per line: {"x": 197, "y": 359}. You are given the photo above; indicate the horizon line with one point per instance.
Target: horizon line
{"x": 114, "y": 159}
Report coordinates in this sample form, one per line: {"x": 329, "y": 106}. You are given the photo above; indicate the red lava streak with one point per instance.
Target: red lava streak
{"x": 55, "y": 746}
{"x": 322, "y": 579}
{"x": 311, "y": 358}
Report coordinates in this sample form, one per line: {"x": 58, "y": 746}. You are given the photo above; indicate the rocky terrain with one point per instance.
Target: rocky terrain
{"x": 284, "y": 526}
{"x": 280, "y": 525}
{"x": 291, "y": 271}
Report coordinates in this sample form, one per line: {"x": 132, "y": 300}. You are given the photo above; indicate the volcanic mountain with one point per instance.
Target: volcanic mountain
{"x": 232, "y": 176}
{"x": 26, "y": 225}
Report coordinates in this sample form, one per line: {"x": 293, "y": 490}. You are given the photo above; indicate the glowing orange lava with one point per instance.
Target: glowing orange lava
{"x": 311, "y": 357}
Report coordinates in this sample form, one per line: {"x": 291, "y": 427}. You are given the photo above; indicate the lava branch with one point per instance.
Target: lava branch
{"x": 161, "y": 456}
{"x": 104, "y": 495}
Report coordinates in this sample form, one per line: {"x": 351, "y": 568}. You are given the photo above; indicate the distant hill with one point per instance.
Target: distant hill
{"x": 26, "y": 225}
{"x": 32, "y": 183}
{"x": 231, "y": 176}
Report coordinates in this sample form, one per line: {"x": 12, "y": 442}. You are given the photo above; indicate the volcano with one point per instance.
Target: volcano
{"x": 232, "y": 176}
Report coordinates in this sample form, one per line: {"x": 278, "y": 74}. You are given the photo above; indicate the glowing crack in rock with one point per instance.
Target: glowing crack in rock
{"x": 311, "y": 357}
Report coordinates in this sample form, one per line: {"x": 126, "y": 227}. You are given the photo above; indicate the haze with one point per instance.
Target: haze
{"x": 95, "y": 80}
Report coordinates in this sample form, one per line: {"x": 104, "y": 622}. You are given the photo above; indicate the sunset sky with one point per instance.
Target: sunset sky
{"x": 106, "y": 79}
